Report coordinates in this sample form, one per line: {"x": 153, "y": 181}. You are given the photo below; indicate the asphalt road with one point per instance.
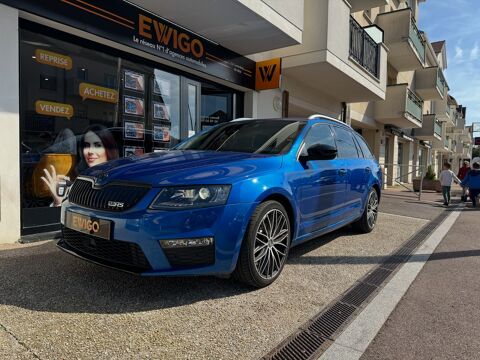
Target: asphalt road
{"x": 54, "y": 306}
{"x": 439, "y": 317}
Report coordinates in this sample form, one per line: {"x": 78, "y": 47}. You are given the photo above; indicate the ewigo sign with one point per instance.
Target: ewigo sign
{"x": 169, "y": 36}
{"x": 129, "y": 25}
{"x": 267, "y": 74}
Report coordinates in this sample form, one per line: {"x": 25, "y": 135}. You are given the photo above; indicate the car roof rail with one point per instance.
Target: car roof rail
{"x": 316, "y": 116}
{"x": 243, "y": 118}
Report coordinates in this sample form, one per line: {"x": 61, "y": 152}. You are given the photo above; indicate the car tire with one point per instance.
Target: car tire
{"x": 368, "y": 220}
{"x": 265, "y": 247}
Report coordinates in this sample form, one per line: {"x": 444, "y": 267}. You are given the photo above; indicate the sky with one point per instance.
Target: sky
{"x": 458, "y": 23}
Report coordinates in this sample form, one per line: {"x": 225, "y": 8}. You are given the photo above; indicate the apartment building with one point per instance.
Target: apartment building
{"x": 414, "y": 126}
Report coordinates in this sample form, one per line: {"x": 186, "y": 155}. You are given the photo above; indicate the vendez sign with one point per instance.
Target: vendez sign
{"x": 127, "y": 24}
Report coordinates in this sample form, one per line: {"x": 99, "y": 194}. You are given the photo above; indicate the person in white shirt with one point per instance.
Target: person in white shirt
{"x": 447, "y": 177}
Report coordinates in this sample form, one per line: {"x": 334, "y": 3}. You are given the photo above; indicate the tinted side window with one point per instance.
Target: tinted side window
{"x": 367, "y": 154}
{"x": 345, "y": 143}
{"x": 319, "y": 134}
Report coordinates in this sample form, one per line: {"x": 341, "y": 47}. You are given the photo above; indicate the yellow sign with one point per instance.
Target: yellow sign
{"x": 53, "y": 109}
{"x": 53, "y": 59}
{"x": 267, "y": 74}
{"x": 90, "y": 91}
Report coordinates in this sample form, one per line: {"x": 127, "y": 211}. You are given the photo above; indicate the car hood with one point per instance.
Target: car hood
{"x": 184, "y": 167}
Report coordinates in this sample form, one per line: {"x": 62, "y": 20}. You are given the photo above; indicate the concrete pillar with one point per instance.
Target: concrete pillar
{"x": 250, "y": 104}
{"x": 10, "y": 203}
{"x": 408, "y": 156}
{"x": 392, "y": 167}
{"x": 269, "y": 104}
{"x": 416, "y": 164}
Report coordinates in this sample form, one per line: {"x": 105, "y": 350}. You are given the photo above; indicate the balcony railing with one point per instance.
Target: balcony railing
{"x": 414, "y": 105}
{"x": 363, "y": 49}
{"x": 441, "y": 83}
{"x": 417, "y": 39}
{"x": 437, "y": 128}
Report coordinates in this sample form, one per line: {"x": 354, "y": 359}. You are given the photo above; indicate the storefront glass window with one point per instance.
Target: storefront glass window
{"x": 81, "y": 107}
{"x": 64, "y": 98}
{"x": 217, "y": 106}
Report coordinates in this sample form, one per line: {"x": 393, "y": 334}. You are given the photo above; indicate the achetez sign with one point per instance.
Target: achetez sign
{"x": 267, "y": 74}
{"x": 100, "y": 93}
{"x": 53, "y": 109}
{"x": 53, "y": 59}
{"x": 127, "y": 24}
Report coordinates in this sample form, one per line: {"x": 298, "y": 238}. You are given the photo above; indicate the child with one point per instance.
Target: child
{"x": 446, "y": 178}
{"x": 472, "y": 180}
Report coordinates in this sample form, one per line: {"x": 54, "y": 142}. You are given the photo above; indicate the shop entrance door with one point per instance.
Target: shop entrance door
{"x": 190, "y": 104}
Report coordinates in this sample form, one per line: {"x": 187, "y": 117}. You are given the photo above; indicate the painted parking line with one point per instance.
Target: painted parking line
{"x": 356, "y": 338}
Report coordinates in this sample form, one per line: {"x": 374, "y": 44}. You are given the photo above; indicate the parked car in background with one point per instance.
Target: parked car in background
{"x": 231, "y": 200}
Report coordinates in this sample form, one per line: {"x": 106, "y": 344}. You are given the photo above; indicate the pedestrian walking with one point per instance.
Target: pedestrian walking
{"x": 462, "y": 173}
{"x": 472, "y": 181}
{"x": 447, "y": 176}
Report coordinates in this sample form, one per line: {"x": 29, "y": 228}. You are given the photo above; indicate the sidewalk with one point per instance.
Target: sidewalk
{"x": 439, "y": 317}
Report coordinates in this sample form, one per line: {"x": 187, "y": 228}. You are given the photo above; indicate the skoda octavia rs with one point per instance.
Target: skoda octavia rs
{"x": 231, "y": 200}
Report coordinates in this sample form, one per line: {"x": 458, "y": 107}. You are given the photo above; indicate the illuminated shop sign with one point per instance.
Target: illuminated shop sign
{"x": 100, "y": 93}
{"x": 127, "y": 24}
{"x": 53, "y": 109}
{"x": 267, "y": 74}
{"x": 53, "y": 59}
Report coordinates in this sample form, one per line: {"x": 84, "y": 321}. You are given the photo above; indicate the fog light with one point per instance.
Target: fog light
{"x": 185, "y": 243}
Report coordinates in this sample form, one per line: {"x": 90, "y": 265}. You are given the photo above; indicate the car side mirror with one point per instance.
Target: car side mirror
{"x": 320, "y": 152}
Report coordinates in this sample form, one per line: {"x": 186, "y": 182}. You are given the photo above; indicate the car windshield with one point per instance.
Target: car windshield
{"x": 250, "y": 136}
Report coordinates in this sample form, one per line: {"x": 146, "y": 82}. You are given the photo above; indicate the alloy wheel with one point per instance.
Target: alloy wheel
{"x": 271, "y": 243}
{"x": 372, "y": 209}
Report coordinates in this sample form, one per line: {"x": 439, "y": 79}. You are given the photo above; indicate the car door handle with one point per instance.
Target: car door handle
{"x": 342, "y": 172}
{"x": 367, "y": 169}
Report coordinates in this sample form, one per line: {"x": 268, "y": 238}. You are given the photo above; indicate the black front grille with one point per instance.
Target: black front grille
{"x": 84, "y": 194}
{"x": 194, "y": 256}
{"x": 120, "y": 254}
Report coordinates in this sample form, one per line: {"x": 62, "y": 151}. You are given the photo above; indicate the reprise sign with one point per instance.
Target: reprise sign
{"x": 127, "y": 24}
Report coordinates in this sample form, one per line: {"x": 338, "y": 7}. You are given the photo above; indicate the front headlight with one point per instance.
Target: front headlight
{"x": 188, "y": 197}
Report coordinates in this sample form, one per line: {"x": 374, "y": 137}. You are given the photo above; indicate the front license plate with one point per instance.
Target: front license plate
{"x": 88, "y": 225}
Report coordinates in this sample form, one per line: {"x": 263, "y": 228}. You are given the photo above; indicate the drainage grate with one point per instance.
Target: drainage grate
{"x": 377, "y": 277}
{"x": 357, "y": 295}
{"x": 314, "y": 337}
{"x": 327, "y": 323}
{"x": 302, "y": 345}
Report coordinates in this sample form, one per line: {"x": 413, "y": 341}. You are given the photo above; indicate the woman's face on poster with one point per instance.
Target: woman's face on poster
{"x": 93, "y": 150}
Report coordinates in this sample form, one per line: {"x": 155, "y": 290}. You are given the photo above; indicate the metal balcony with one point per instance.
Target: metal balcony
{"x": 363, "y": 49}
{"x": 443, "y": 110}
{"x": 431, "y": 128}
{"x": 402, "y": 108}
{"x": 430, "y": 83}
{"x": 402, "y": 37}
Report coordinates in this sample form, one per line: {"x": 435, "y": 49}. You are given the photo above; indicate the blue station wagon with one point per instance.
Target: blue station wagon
{"x": 231, "y": 200}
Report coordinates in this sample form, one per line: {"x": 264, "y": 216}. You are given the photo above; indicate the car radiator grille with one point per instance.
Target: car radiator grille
{"x": 84, "y": 194}
{"x": 120, "y": 254}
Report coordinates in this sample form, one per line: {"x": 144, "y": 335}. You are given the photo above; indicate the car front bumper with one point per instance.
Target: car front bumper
{"x": 134, "y": 245}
